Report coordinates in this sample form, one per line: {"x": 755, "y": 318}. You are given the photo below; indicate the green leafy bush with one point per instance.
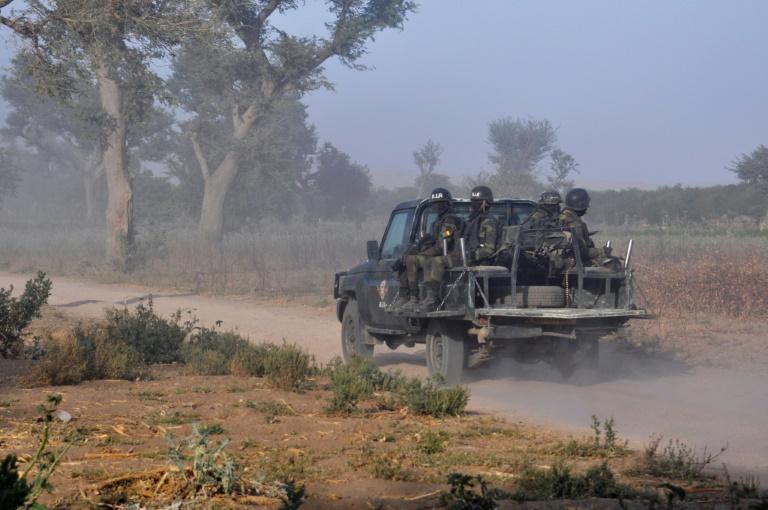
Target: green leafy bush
{"x": 465, "y": 495}
{"x": 13, "y": 488}
{"x": 17, "y": 313}
{"x": 360, "y": 379}
{"x": 559, "y": 483}
{"x": 288, "y": 367}
{"x": 157, "y": 339}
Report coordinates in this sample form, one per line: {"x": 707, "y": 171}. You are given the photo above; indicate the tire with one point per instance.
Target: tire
{"x": 541, "y": 296}
{"x": 352, "y": 343}
{"x": 584, "y": 352}
{"x": 588, "y": 353}
{"x": 446, "y": 351}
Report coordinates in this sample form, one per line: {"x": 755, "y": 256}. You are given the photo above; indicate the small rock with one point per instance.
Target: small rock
{"x": 64, "y": 416}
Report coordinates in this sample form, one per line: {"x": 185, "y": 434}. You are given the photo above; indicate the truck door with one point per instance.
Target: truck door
{"x": 382, "y": 282}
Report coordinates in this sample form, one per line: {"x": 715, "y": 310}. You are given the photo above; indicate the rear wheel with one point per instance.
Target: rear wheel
{"x": 446, "y": 350}
{"x": 583, "y": 352}
{"x": 352, "y": 343}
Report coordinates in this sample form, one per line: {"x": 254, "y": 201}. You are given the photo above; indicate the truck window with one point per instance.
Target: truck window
{"x": 396, "y": 236}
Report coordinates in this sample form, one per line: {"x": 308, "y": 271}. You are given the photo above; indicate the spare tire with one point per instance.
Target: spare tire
{"x": 541, "y": 296}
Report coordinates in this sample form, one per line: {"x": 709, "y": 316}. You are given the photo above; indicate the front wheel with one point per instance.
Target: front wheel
{"x": 446, "y": 351}
{"x": 352, "y": 343}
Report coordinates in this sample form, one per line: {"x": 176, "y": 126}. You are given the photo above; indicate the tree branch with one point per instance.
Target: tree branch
{"x": 18, "y": 25}
{"x": 204, "y": 168}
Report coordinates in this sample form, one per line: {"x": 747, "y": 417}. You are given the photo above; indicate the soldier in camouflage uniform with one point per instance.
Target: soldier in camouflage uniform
{"x": 482, "y": 229}
{"x": 576, "y": 205}
{"x": 547, "y": 211}
{"x": 429, "y": 257}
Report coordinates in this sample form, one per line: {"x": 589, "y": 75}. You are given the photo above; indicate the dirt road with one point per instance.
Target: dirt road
{"x": 702, "y": 406}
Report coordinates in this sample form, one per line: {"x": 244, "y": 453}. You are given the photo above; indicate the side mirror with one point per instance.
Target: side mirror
{"x": 372, "y": 247}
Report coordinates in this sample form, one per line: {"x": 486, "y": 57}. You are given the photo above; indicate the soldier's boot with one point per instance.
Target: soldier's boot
{"x": 410, "y": 306}
{"x": 431, "y": 300}
{"x": 402, "y": 298}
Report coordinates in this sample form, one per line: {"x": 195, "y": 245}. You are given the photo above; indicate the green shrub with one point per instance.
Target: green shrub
{"x": 559, "y": 483}
{"x": 13, "y": 488}
{"x": 84, "y": 354}
{"x": 360, "y": 378}
{"x": 350, "y": 382}
{"x": 210, "y": 352}
{"x": 288, "y": 367}
{"x": 428, "y": 398}
{"x": 17, "y": 313}
{"x": 157, "y": 339}
{"x": 464, "y": 496}
{"x": 433, "y": 442}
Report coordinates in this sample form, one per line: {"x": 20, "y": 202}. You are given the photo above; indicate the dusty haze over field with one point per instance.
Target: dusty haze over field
{"x": 644, "y": 93}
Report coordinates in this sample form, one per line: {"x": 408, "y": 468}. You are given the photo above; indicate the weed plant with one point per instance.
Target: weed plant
{"x": 16, "y": 489}
{"x": 677, "y": 460}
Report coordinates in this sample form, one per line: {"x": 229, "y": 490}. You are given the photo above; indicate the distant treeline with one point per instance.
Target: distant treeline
{"x": 670, "y": 205}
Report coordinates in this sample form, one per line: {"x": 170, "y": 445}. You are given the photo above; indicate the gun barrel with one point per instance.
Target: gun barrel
{"x": 629, "y": 253}
{"x": 445, "y": 247}
{"x": 463, "y": 245}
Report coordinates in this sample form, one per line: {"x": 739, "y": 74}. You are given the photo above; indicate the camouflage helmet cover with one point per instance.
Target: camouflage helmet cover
{"x": 440, "y": 195}
{"x": 577, "y": 199}
{"x": 482, "y": 193}
{"x": 550, "y": 198}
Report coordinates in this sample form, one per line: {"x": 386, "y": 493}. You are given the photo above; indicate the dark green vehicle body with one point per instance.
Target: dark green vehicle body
{"x": 478, "y": 318}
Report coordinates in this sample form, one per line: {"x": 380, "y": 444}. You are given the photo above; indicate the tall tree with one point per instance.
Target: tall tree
{"x": 753, "y": 169}
{"x": 251, "y": 65}
{"x": 9, "y": 175}
{"x": 561, "y": 167}
{"x": 426, "y": 158}
{"x": 74, "y": 46}
{"x": 341, "y": 188}
{"x": 59, "y": 136}
{"x": 519, "y": 145}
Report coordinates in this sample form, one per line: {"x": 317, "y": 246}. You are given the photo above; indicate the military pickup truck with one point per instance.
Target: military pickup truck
{"x": 543, "y": 304}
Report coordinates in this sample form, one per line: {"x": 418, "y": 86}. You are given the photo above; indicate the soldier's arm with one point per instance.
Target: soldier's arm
{"x": 489, "y": 239}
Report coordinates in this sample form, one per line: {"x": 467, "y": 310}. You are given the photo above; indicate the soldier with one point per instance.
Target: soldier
{"x": 547, "y": 211}
{"x": 482, "y": 229}
{"x": 576, "y": 205}
{"x": 427, "y": 256}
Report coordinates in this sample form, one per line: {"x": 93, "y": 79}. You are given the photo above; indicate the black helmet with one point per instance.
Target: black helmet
{"x": 440, "y": 195}
{"x": 550, "y": 198}
{"x": 482, "y": 193}
{"x": 577, "y": 199}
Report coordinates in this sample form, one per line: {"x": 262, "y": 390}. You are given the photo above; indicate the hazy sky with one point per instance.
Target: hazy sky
{"x": 643, "y": 93}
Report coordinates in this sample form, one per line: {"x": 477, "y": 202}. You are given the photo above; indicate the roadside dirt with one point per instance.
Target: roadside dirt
{"x": 645, "y": 393}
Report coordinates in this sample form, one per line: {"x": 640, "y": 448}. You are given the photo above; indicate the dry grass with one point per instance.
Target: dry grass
{"x": 691, "y": 273}
{"x": 277, "y": 259}
{"x": 678, "y": 271}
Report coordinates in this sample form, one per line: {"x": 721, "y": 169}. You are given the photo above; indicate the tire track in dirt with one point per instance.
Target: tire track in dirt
{"x": 702, "y": 406}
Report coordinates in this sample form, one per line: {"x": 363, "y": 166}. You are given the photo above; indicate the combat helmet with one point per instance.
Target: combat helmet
{"x": 550, "y": 198}
{"x": 440, "y": 195}
{"x": 577, "y": 199}
{"x": 480, "y": 193}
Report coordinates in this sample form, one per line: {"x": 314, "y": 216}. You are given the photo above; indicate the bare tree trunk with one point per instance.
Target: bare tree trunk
{"x": 215, "y": 192}
{"x": 219, "y": 181}
{"x": 91, "y": 172}
{"x": 119, "y": 187}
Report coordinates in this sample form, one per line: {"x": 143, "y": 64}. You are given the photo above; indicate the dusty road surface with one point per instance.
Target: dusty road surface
{"x": 646, "y": 395}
